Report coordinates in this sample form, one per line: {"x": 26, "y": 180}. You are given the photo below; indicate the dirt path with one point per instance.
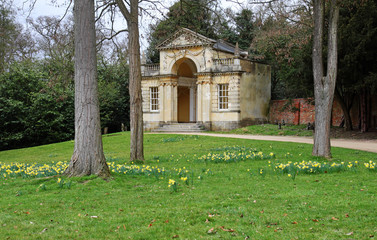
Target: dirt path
{"x": 364, "y": 145}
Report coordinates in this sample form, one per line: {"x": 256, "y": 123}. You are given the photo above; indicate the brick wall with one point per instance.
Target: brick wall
{"x": 300, "y": 111}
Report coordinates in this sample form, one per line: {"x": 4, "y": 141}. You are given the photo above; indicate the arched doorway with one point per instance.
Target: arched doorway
{"x": 186, "y": 98}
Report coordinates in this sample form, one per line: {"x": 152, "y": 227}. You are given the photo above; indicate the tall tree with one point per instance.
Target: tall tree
{"x": 131, "y": 15}
{"x": 15, "y": 44}
{"x": 324, "y": 85}
{"x": 283, "y": 40}
{"x": 357, "y": 58}
{"x": 8, "y": 30}
{"x": 88, "y": 157}
{"x": 245, "y": 28}
{"x": 56, "y": 43}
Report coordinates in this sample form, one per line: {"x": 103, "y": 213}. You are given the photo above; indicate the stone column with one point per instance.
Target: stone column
{"x": 204, "y": 99}
{"x": 192, "y": 104}
{"x": 199, "y": 103}
{"x": 234, "y": 92}
{"x": 161, "y": 99}
{"x": 170, "y": 98}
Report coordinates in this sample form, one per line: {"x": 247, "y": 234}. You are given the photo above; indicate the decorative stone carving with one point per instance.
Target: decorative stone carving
{"x": 185, "y": 38}
{"x": 182, "y": 53}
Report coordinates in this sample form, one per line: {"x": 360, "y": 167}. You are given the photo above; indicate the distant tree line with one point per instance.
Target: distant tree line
{"x": 37, "y": 87}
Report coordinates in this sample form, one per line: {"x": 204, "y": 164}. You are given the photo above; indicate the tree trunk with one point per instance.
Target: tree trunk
{"x": 136, "y": 110}
{"x": 88, "y": 157}
{"x": 363, "y": 111}
{"x": 346, "y": 111}
{"x": 324, "y": 86}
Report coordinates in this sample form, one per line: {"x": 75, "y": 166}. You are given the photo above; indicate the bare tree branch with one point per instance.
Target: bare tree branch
{"x": 123, "y": 9}
{"x": 112, "y": 36}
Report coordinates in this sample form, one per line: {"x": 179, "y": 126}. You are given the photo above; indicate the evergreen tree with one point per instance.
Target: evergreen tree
{"x": 199, "y": 16}
{"x": 357, "y": 58}
{"x": 244, "y": 22}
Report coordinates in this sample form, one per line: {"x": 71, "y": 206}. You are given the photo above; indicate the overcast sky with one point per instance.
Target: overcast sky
{"x": 41, "y": 8}
{"x": 58, "y": 7}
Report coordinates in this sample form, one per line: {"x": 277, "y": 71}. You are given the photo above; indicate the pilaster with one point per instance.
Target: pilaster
{"x": 169, "y": 86}
{"x": 204, "y": 81}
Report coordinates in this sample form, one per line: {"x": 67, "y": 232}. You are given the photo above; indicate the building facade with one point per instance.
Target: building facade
{"x": 204, "y": 81}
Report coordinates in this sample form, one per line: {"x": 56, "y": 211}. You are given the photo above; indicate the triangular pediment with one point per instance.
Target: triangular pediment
{"x": 185, "y": 38}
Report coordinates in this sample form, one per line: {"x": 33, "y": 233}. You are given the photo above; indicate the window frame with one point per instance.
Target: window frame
{"x": 223, "y": 97}
{"x": 154, "y": 101}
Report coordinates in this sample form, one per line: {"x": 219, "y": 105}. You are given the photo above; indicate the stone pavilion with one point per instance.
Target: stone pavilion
{"x": 204, "y": 81}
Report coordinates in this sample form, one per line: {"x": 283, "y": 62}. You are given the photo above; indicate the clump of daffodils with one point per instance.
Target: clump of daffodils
{"x": 370, "y": 165}
{"x": 173, "y": 185}
{"x": 235, "y": 156}
{"x": 313, "y": 167}
{"x": 60, "y": 183}
{"x": 261, "y": 172}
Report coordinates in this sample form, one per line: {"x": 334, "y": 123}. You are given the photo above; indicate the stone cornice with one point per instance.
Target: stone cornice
{"x": 203, "y": 81}
{"x": 228, "y": 73}
{"x": 169, "y": 81}
{"x": 226, "y": 111}
{"x": 174, "y": 84}
{"x": 184, "y": 46}
{"x": 158, "y": 77}
{"x": 198, "y": 74}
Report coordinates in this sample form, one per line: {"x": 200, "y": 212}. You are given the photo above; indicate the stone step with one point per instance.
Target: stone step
{"x": 180, "y": 127}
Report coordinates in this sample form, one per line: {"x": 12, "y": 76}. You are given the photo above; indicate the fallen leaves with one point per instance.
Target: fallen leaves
{"x": 151, "y": 223}
{"x": 214, "y": 231}
{"x": 226, "y": 230}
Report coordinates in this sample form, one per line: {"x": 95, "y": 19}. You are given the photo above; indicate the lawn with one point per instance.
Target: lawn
{"x": 219, "y": 188}
{"x": 273, "y": 129}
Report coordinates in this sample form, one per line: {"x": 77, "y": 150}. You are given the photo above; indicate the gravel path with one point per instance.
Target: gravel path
{"x": 364, "y": 145}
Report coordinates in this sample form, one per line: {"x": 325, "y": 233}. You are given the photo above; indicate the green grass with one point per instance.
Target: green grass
{"x": 228, "y": 196}
{"x": 271, "y": 129}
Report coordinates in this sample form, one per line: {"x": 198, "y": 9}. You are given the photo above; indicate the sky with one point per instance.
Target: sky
{"x": 58, "y": 8}
{"x": 41, "y": 8}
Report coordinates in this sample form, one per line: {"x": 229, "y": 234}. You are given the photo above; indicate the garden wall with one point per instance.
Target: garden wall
{"x": 301, "y": 111}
